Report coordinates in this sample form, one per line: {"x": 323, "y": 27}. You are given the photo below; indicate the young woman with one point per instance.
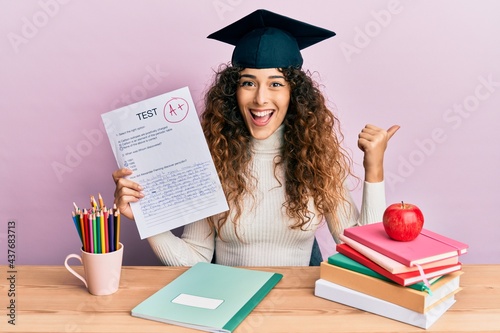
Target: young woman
{"x": 277, "y": 150}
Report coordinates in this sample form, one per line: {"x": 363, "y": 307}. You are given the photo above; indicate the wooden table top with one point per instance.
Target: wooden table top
{"x": 50, "y": 299}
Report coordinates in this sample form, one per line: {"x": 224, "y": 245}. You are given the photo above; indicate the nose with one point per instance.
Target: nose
{"x": 261, "y": 97}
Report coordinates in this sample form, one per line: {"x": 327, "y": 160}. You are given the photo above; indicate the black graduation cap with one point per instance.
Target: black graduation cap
{"x": 264, "y": 39}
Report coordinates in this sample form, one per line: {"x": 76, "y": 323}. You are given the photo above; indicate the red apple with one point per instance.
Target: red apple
{"x": 403, "y": 221}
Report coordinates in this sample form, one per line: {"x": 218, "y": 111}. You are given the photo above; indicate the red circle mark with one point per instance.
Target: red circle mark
{"x": 176, "y": 110}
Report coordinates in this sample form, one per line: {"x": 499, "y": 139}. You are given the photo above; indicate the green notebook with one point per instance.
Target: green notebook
{"x": 343, "y": 261}
{"x": 209, "y": 297}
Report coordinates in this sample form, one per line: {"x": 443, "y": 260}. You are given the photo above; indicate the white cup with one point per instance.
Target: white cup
{"x": 102, "y": 270}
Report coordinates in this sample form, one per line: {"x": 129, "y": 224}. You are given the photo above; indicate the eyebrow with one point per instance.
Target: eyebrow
{"x": 269, "y": 77}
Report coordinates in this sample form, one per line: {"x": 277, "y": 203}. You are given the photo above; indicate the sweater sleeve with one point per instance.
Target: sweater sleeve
{"x": 373, "y": 203}
{"x": 194, "y": 245}
{"x": 372, "y": 209}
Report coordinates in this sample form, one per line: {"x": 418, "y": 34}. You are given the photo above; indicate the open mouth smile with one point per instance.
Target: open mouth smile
{"x": 261, "y": 117}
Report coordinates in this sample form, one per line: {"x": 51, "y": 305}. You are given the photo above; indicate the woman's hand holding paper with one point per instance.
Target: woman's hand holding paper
{"x": 126, "y": 191}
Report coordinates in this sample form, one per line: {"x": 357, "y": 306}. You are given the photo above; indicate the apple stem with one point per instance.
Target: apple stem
{"x": 402, "y": 205}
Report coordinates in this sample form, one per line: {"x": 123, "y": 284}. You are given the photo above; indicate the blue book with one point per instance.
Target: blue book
{"x": 209, "y": 297}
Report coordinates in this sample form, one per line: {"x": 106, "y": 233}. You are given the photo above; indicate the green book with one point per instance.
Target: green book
{"x": 338, "y": 259}
{"x": 209, "y": 297}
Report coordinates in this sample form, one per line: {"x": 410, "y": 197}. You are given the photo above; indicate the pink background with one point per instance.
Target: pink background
{"x": 430, "y": 66}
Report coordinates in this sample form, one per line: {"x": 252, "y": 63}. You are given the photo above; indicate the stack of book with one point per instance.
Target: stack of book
{"x": 413, "y": 282}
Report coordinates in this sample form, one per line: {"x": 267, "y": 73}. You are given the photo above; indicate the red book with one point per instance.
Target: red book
{"x": 390, "y": 264}
{"x": 403, "y": 279}
{"x": 427, "y": 247}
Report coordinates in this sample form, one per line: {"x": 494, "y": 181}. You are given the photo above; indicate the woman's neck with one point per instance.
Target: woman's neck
{"x": 272, "y": 144}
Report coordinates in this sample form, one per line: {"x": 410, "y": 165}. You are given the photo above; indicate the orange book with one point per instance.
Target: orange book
{"x": 419, "y": 301}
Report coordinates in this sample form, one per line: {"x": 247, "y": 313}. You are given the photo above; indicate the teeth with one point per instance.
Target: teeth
{"x": 261, "y": 113}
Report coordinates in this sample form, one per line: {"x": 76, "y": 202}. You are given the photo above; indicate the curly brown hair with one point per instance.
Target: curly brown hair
{"x": 314, "y": 163}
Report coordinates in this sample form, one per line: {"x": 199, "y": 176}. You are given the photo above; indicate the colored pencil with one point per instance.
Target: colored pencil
{"x": 106, "y": 230}
{"x": 101, "y": 203}
{"x": 91, "y": 232}
{"x": 117, "y": 215}
{"x": 93, "y": 202}
{"x": 87, "y": 231}
{"x": 82, "y": 228}
{"x": 84, "y": 232}
{"x": 111, "y": 231}
{"x": 101, "y": 232}
{"x": 97, "y": 237}
{"x": 77, "y": 226}
{"x": 98, "y": 227}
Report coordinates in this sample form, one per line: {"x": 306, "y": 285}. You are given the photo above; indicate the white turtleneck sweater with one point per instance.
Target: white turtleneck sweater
{"x": 265, "y": 238}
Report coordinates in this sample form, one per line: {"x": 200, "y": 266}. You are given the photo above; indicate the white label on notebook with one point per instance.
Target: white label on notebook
{"x": 198, "y": 301}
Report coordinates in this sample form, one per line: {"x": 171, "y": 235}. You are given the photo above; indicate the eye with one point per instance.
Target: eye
{"x": 247, "y": 83}
{"x": 277, "y": 84}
